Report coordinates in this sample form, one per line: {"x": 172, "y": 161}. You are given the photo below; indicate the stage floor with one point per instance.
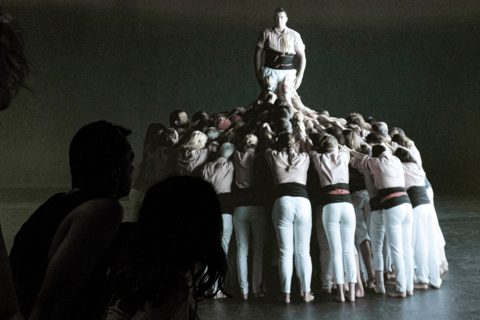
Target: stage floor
{"x": 457, "y": 299}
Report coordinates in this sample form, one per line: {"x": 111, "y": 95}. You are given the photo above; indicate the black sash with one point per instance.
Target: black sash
{"x": 278, "y": 60}
{"x": 418, "y": 195}
{"x": 291, "y": 189}
{"x": 336, "y": 198}
{"x": 389, "y": 199}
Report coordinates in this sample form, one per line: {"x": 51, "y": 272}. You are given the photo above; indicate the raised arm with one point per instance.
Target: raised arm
{"x": 91, "y": 230}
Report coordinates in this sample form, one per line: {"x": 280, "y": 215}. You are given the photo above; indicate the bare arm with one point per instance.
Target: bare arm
{"x": 301, "y": 69}
{"x": 92, "y": 229}
{"x": 258, "y": 66}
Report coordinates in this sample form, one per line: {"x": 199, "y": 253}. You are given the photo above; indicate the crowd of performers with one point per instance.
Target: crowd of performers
{"x": 361, "y": 183}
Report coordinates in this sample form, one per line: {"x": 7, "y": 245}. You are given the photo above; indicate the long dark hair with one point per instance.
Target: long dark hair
{"x": 14, "y": 66}
{"x": 178, "y": 238}
{"x": 286, "y": 140}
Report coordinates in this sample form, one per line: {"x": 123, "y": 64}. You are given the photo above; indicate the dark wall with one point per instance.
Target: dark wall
{"x": 134, "y": 69}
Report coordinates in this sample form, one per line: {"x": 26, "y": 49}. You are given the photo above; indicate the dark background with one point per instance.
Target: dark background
{"x": 415, "y": 66}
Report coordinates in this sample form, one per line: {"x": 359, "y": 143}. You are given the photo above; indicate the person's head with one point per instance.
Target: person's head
{"x": 402, "y": 140}
{"x": 280, "y": 18}
{"x": 284, "y": 125}
{"x": 323, "y": 112}
{"x": 377, "y": 150}
{"x": 212, "y": 133}
{"x": 178, "y": 119}
{"x": 327, "y": 143}
{"x": 374, "y": 138}
{"x": 222, "y": 123}
{"x": 404, "y": 155}
{"x": 395, "y": 130}
{"x": 337, "y": 133}
{"x": 352, "y": 140}
{"x": 196, "y": 141}
{"x": 101, "y": 158}
{"x": 213, "y": 148}
{"x": 226, "y": 150}
{"x": 168, "y": 138}
{"x": 153, "y": 131}
{"x": 250, "y": 141}
{"x": 14, "y": 66}
{"x": 199, "y": 115}
{"x": 178, "y": 235}
{"x": 370, "y": 120}
{"x": 357, "y": 119}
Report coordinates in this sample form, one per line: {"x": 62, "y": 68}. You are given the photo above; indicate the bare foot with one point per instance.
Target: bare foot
{"x": 398, "y": 294}
{"x": 379, "y": 286}
{"x": 409, "y": 293}
{"x": 220, "y": 295}
{"x": 445, "y": 265}
{"x": 245, "y": 296}
{"x": 370, "y": 284}
{"x": 284, "y": 297}
{"x": 359, "y": 293}
{"x": 327, "y": 290}
{"x": 420, "y": 286}
{"x": 352, "y": 293}
{"x": 340, "y": 297}
{"x": 308, "y": 296}
{"x": 257, "y": 295}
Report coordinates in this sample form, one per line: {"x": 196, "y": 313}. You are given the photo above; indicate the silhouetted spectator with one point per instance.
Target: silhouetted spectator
{"x": 59, "y": 258}
{"x": 175, "y": 254}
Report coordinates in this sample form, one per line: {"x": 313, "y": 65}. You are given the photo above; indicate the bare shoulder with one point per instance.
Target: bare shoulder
{"x": 100, "y": 210}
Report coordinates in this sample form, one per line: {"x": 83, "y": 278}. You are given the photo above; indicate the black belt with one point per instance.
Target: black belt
{"x": 279, "y": 60}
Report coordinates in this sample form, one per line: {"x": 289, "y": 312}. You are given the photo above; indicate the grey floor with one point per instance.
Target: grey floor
{"x": 457, "y": 299}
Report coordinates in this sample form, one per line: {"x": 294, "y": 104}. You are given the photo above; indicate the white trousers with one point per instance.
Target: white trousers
{"x": 245, "y": 219}
{"x": 292, "y": 219}
{"x": 399, "y": 220}
{"x": 273, "y": 76}
{"x": 339, "y": 223}
{"x": 326, "y": 268}
{"x": 424, "y": 242}
{"x": 360, "y": 201}
{"x": 227, "y": 234}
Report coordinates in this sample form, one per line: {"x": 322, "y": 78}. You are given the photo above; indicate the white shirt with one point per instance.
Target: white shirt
{"x": 220, "y": 174}
{"x": 270, "y": 39}
{"x": 387, "y": 169}
{"x": 332, "y": 167}
{"x": 278, "y": 162}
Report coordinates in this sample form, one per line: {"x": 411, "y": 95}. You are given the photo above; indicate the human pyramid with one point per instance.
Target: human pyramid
{"x": 372, "y": 205}
{"x": 361, "y": 184}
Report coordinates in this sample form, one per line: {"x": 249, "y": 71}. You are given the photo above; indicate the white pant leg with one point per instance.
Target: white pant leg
{"x": 244, "y": 219}
{"x": 361, "y": 232}
{"x": 282, "y": 217}
{"x": 407, "y": 246}
{"x": 277, "y": 76}
{"x": 326, "y": 265}
{"x": 399, "y": 229}
{"x": 258, "y": 220}
{"x": 377, "y": 232}
{"x": 347, "y": 228}
{"x": 242, "y": 232}
{"x": 433, "y": 265}
{"x": 339, "y": 224}
{"x": 227, "y": 231}
{"x": 387, "y": 253}
{"x": 420, "y": 241}
{"x": 302, "y": 226}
